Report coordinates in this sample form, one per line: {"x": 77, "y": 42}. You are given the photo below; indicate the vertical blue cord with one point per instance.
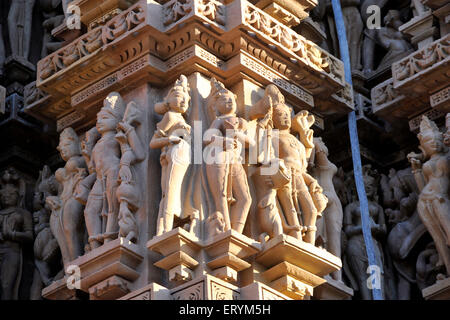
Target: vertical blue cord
{"x": 354, "y": 141}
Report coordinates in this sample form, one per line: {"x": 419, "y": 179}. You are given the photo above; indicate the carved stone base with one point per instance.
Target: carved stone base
{"x": 19, "y": 69}
{"x": 153, "y": 291}
{"x": 227, "y": 251}
{"x": 106, "y": 269}
{"x": 206, "y": 287}
{"x": 438, "y": 291}
{"x": 58, "y": 290}
{"x": 296, "y": 267}
{"x": 180, "y": 249}
{"x": 260, "y": 291}
{"x": 333, "y": 290}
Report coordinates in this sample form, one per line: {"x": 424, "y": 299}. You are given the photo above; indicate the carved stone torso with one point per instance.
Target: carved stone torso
{"x": 106, "y": 154}
{"x": 292, "y": 151}
{"x": 436, "y": 171}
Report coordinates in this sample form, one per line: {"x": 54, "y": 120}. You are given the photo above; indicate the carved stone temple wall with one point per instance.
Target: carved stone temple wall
{"x": 199, "y": 149}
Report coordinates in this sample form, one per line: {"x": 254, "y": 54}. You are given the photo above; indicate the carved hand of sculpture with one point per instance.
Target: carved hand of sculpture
{"x": 302, "y": 124}
{"x": 416, "y": 160}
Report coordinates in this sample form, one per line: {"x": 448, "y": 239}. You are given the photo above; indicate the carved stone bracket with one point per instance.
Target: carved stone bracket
{"x": 227, "y": 251}
{"x": 295, "y": 268}
{"x": 180, "y": 250}
{"x": 107, "y": 270}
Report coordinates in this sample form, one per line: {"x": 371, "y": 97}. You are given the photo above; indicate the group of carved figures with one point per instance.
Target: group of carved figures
{"x": 363, "y": 38}
{"x": 416, "y": 203}
{"x": 292, "y": 185}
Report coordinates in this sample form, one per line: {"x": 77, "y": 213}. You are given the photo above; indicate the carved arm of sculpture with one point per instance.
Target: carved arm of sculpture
{"x": 350, "y": 229}
{"x": 219, "y": 140}
{"x": 379, "y": 228}
{"x": 133, "y": 140}
{"x": 416, "y": 164}
{"x": 21, "y": 236}
{"x": 302, "y": 123}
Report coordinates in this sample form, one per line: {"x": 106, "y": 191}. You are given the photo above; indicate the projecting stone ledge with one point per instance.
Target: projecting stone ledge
{"x": 107, "y": 271}
{"x": 296, "y": 267}
{"x": 438, "y": 291}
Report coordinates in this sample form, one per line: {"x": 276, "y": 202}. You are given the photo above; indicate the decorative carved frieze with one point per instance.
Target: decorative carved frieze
{"x": 441, "y": 100}
{"x": 390, "y": 104}
{"x": 429, "y": 65}
{"x": 433, "y": 114}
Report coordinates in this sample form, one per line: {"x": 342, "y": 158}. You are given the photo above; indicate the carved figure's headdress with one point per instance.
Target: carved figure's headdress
{"x": 427, "y": 128}
{"x": 114, "y": 105}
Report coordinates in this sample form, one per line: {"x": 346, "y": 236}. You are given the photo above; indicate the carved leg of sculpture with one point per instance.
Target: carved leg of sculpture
{"x": 163, "y": 202}
{"x": 355, "y": 28}
{"x": 433, "y": 227}
{"x": 217, "y": 175}
{"x": 357, "y": 260}
{"x": 241, "y": 192}
{"x": 9, "y": 272}
{"x": 368, "y": 52}
{"x": 309, "y": 210}
{"x": 27, "y": 28}
{"x": 112, "y": 224}
{"x": 73, "y": 232}
{"x": 174, "y": 177}
{"x": 285, "y": 197}
{"x": 15, "y": 33}
{"x": 92, "y": 215}
{"x": 404, "y": 288}
{"x": 58, "y": 232}
{"x": 333, "y": 223}
{"x": 442, "y": 210}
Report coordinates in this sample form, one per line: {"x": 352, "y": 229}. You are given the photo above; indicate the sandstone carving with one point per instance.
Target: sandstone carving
{"x": 354, "y": 26}
{"x": 431, "y": 171}
{"x": 391, "y": 39}
{"x": 330, "y": 226}
{"x": 102, "y": 206}
{"x": 46, "y": 249}
{"x": 172, "y": 136}
{"x": 19, "y": 27}
{"x": 16, "y": 229}
{"x": 355, "y": 252}
{"x": 225, "y": 175}
{"x": 66, "y": 221}
{"x": 52, "y": 20}
{"x": 400, "y": 196}
{"x": 133, "y": 151}
{"x": 300, "y": 197}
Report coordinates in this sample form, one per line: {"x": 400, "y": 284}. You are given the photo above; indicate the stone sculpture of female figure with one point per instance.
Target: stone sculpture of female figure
{"x": 16, "y": 229}
{"x": 225, "y": 173}
{"x": 400, "y": 196}
{"x": 432, "y": 171}
{"x": 102, "y": 207}
{"x": 67, "y": 221}
{"x": 19, "y": 27}
{"x": 330, "y": 226}
{"x": 172, "y": 136}
{"x": 355, "y": 250}
{"x": 46, "y": 248}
